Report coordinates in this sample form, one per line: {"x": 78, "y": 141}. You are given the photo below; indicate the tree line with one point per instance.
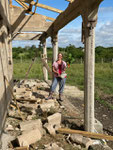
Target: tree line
{"x": 71, "y": 53}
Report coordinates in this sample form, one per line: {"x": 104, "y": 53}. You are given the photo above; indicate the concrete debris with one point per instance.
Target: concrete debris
{"x": 54, "y": 122}
{"x": 28, "y": 94}
{"x": 30, "y": 83}
{"x": 99, "y": 147}
{"x": 30, "y": 125}
{"x": 79, "y": 139}
{"x": 54, "y": 119}
{"x": 98, "y": 126}
{"x": 47, "y": 105}
{"x": 9, "y": 128}
{"x": 32, "y": 107}
{"x": 44, "y": 115}
{"x": 78, "y": 147}
{"x": 87, "y": 142}
{"x": 30, "y": 117}
{"x": 76, "y": 138}
{"x": 19, "y": 90}
{"x": 53, "y": 146}
{"x": 29, "y": 137}
{"x": 6, "y": 139}
{"x": 51, "y": 130}
{"x": 34, "y": 89}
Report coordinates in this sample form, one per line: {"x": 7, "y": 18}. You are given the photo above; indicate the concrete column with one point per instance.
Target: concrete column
{"x": 45, "y": 72}
{"x": 89, "y": 79}
{"x": 89, "y": 23}
{"x": 54, "y": 41}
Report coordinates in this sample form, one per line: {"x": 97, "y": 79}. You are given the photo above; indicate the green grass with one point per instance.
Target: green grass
{"x": 20, "y": 69}
{"x": 75, "y": 77}
{"x": 104, "y": 78}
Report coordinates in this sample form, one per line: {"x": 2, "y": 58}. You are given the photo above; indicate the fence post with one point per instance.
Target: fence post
{"x": 102, "y": 60}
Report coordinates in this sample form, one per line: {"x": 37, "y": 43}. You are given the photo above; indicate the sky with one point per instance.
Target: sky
{"x": 71, "y": 33}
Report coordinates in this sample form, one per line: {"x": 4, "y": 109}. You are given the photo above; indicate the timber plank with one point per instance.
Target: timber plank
{"x": 87, "y": 134}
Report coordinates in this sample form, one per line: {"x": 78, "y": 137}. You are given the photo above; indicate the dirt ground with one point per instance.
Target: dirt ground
{"x": 103, "y": 113}
{"x": 105, "y": 116}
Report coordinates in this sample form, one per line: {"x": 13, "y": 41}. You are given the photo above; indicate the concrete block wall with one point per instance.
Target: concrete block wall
{"x": 6, "y": 65}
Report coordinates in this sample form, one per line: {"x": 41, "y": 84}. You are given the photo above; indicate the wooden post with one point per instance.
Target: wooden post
{"x": 102, "y": 60}
{"x": 81, "y": 60}
{"x": 45, "y": 72}
{"x": 10, "y": 2}
{"x": 54, "y": 41}
{"x": 89, "y": 21}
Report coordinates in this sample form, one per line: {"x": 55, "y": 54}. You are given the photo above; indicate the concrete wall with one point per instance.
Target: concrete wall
{"x": 6, "y": 65}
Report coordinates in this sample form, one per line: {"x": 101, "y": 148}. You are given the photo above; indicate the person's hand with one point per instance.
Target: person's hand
{"x": 58, "y": 74}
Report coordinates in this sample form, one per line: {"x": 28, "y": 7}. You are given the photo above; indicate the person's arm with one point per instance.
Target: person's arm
{"x": 54, "y": 70}
{"x": 65, "y": 65}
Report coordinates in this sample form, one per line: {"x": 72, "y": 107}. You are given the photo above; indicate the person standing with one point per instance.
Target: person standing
{"x": 58, "y": 69}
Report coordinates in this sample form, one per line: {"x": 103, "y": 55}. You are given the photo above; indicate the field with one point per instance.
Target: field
{"x": 103, "y": 76}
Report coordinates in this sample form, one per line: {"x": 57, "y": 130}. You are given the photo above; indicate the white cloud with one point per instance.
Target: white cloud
{"x": 104, "y": 35}
{"x": 70, "y": 36}
{"x": 24, "y": 43}
{"x": 105, "y": 9}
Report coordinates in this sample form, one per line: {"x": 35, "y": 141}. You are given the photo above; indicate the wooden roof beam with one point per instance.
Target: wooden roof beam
{"x": 35, "y": 6}
{"x": 47, "y": 7}
{"x": 70, "y": 1}
{"x": 74, "y": 10}
{"x": 26, "y": 7}
{"x": 42, "y": 6}
{"x": 10, "y": 2}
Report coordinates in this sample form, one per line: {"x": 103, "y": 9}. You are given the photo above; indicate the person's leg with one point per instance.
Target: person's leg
{"x": 52, "y": 88}
{"x": 61, "y": 88}
{"x": 54, "y": 84}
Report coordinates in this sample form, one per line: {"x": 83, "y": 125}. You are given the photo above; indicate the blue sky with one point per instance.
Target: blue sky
{"x": 71, "y": 33}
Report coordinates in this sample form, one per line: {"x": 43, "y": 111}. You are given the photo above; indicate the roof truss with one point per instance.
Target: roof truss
{"x": 42, "y": 6}
{"x": 74, "y": 10}
{"x": 28, "y": 9}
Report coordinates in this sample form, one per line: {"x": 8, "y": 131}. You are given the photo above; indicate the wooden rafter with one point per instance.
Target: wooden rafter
{"x": 35, "y": 6}
{"x": 10, "y": 2}
{"x": 72, "y": 11}
{"x": 70, "y": 1}
{"x": 26, "y": 7}
{"x": 47, "y": 7}
{"x": 42, "y": 6}
{"x": 85, "y": 133}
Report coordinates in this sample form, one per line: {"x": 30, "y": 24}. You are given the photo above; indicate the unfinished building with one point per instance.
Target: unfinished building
{"x": 23, "y": 23}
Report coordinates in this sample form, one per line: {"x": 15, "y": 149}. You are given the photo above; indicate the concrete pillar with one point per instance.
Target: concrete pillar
{"x": 5, "y": 95}
{"x": 54, "y": 41}
{"x": 89, "y": 80}
{"x": 45, "y": 72}
{"x": 89, "y": 70}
